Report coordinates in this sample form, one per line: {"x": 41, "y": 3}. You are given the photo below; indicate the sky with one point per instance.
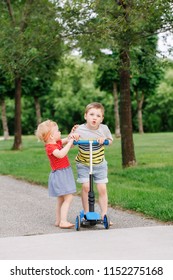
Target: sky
{"x": 165, "y": 43}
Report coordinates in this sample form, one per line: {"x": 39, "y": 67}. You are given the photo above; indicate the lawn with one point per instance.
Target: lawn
{"x": 146, "y": 188}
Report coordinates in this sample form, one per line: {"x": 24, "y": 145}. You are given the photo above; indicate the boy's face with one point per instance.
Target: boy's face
{"x": 93, "y": 118}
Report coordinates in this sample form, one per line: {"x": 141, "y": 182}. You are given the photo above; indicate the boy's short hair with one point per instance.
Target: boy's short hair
{"x": 94, "y": 105}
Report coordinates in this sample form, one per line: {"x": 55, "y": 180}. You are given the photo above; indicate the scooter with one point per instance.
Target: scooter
{"x": 91, "y": 218}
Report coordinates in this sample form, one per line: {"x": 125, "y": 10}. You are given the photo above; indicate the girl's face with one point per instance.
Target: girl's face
{"x": 93, "y": 118}
{"x": 55, "y": 133}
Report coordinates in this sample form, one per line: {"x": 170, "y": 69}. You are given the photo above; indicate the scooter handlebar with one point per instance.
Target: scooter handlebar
{"x": 86, "y": 142}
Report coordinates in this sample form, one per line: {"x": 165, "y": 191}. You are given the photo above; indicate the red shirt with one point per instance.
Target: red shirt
{"x": 56, "y": 163}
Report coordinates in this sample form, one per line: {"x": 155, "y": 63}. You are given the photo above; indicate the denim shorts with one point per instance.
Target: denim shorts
{"x": 100, "y": 173}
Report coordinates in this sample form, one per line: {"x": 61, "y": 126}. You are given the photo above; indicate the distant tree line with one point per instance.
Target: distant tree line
{"x": 78, "y": 83}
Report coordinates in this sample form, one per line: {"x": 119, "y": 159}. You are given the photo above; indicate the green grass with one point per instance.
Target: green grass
{"x": 146, "y": 188}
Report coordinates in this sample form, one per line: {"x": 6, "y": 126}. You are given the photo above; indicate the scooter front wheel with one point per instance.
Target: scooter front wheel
{"x": 77, "y": 223}
{"x": 106, "y": 222}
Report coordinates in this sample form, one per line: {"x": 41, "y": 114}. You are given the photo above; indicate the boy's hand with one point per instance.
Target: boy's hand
{"x": 74, "y": 128}
{"x": 101, "y": 140}
{"x": 74, "y": 136}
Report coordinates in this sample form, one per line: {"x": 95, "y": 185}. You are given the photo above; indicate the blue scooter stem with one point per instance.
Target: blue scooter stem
{"x": 86, "y": 142}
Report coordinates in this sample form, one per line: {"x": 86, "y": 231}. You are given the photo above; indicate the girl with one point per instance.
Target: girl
{"x": 61, "y": 182}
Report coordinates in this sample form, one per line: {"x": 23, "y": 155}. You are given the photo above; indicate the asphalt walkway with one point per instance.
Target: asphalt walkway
{"x": 27, "y": 230}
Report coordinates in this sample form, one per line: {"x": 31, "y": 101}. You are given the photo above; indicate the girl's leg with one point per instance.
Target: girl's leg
{"x": 85, "y": 190}
{"x": 60, "y": 200}
{"x": 67, "y": 199}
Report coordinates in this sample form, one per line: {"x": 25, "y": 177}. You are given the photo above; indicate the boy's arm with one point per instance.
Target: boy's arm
{"x": 110, "y": 141}
{"x": 109, "y": 135}
{"x": 102, "y": 139}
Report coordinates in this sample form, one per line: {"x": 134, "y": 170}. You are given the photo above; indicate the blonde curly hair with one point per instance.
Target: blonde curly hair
{"x": 44, "y": 130}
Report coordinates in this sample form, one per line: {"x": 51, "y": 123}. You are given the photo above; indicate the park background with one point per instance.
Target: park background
{"x": 58, "y": 56}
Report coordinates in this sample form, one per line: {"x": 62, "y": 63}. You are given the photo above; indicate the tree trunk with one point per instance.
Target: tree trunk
{"x": 127, "y": 145}
{"x": 17, "y": 122}
{"x": 116, "y": 111}
{"x": 38, "y": 110}
{"x": 4, "y": 119}
{"x": 140, "y": 102}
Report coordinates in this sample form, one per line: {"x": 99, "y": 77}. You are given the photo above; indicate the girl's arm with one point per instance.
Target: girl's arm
{"x": 63, "y": 152}
{"x": 64, "y": 140}
{"x": 74, "y": 136}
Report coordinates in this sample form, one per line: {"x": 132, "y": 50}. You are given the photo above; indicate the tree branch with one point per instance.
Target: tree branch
{"x": 26, "y": 13}
{"x": 10, "y": 10}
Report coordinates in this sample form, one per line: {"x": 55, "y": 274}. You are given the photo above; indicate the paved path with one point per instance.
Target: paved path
{"x": 26, "y": 209}
{"x": 27, "y": 225}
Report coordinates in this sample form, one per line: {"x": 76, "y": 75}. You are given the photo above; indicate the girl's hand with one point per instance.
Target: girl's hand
{"x": 70, "y": 140}
{"x": 74, "y": 136}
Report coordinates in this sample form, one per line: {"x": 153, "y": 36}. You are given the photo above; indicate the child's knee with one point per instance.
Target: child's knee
{"x": 102, "y": 190}
{"x": 68, "y": 198}
{"x": 85, "y": 187}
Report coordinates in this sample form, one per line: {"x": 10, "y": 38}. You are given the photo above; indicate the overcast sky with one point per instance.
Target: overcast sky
{"x": 165, "y": 43}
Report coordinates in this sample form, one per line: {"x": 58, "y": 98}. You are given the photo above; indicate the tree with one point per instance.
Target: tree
{"x": 147, "y": 71}
{"x": 6, "y": 88}
{"x": 38, "y": 82}
{"x": 161, "y": 103}
{"x": 122, "y": 24}
{"x": 71, "y": 91}
{"x": 107, "y": 79}
{"x": 30, "y": 35}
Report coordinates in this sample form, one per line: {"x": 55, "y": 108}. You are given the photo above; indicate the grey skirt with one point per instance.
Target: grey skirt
{"x": 61, "y": 182}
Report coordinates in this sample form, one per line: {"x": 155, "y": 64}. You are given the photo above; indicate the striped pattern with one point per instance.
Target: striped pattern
{"x": 83, "y": 155}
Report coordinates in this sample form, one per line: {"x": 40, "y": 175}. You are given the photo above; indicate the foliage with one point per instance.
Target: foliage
{"x": 28, "y": 35}
{"x": 72, "y": 91}
{"x": 105, "y": 23}
{"x": 147, "y": 68}
{"x": 74, "y": 87}
{"x": 107, "y": 73}
{"x": 32, "y": 34}
{"x": 121, "y": 25}
{"x": 6, "y": 85}
{"x": 158, "y": 115}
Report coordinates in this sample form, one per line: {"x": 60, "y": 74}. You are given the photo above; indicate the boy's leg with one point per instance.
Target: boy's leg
{"x": 85, "y": 190}
{"x": 83, "y": 178}
{"x": 64, "y": 211}
{"x": 103, "y": 198}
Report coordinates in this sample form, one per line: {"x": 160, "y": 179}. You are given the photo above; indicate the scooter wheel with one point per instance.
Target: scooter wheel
{"x": 93, "y": 223}
{"x": 106, "y": 221}
{"x": 77, "y": 223}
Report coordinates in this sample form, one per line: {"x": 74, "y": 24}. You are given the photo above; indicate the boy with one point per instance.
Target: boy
{"x": 93, "y": 129}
